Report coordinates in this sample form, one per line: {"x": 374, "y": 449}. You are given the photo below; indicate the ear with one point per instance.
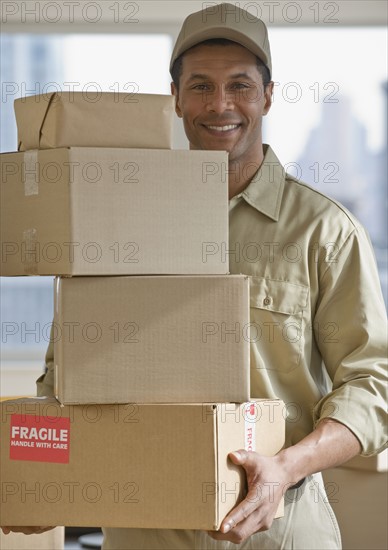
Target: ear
{"x": 175, "y": 93}
{"x": 268, "y": 97}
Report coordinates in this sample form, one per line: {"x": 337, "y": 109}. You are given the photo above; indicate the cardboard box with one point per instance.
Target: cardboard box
{"x": 152, "y": 339}
{"x": 50, "y": 540}
{"x": 158, "y": 466}
{"x": 94, "y": 119}
{"x": 88, "y": 211}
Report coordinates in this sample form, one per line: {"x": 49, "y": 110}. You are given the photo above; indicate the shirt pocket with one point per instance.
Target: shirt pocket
{"x": 276, "y": 323}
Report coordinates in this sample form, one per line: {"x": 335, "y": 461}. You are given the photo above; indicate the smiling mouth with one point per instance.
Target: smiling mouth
{"x": 224, "y": 128}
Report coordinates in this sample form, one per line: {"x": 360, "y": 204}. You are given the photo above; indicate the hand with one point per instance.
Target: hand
{"x": 26, "y": 530}
{"x": 267, "y": 479}
{"x": 329, "y": 445}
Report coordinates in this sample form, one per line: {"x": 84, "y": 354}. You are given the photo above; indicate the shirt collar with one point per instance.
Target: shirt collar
{"x": 265, "y": 190}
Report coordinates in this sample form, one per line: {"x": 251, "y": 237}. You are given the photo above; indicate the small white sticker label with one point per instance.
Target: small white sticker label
{"x": 250, "y": 416}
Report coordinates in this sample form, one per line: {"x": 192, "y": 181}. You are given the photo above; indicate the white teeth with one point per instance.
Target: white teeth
{"x": 223, "y": 128}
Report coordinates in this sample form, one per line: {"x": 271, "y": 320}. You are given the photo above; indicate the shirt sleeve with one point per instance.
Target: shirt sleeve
{"x": 356, "y": 356}
{"x": 45, "y": 382}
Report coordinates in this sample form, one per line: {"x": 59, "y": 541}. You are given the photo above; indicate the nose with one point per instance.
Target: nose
{"x": 218, "y": 100}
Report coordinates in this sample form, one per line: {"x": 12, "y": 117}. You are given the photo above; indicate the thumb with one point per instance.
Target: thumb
{"x": 239, "y": 457}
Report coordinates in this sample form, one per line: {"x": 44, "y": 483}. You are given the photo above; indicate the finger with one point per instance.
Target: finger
{"x": 242, "y": 531}
{"x": 26, "y": 530}
{"x": 217, "y": 535}
{"x": 238, "y": 457}
{"x": 246, "y": 459}
{"x": 242, "y": 510}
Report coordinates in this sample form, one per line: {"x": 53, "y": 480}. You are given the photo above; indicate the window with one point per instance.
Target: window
{"x": 33, "y": 64}
{"x": 328, "y": 122}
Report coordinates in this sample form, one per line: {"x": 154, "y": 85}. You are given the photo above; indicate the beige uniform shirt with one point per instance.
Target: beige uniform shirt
{"x": 318, "y": 323}
{"x": 318, "y": 340}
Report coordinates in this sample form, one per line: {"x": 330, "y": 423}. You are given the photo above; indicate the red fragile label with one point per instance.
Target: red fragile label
{"x": 39, "y": 438}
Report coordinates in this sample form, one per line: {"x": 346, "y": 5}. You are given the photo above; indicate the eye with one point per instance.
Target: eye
{"x": 201, "y": 87}
{"x": 239, "y": 85}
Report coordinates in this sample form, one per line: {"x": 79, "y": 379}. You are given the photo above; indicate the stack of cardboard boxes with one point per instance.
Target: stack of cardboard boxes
{"x": 151, "y": 334}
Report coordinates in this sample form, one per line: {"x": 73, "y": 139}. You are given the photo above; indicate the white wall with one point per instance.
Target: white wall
{"x": 108, "y": 14}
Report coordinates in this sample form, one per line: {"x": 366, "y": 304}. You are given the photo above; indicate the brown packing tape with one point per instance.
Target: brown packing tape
{"x": 30, "y": 252}
{"x": 31, "y": 173}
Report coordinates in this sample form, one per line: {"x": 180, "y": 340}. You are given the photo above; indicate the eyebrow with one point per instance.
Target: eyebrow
{"x": 198, "y": 76}
{"x": 241, "y": 75}
{"x": 201, "y": 76}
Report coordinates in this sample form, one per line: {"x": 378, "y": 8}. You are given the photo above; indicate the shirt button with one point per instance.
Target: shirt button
{"x": 267, "y": 301}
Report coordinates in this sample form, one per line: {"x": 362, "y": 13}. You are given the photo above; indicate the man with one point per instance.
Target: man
{"x": 315, "y": 298}
{"x": 315, "y": 294}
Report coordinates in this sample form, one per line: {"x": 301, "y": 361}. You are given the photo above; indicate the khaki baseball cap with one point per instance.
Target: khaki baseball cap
{"x": 224, "y": 21}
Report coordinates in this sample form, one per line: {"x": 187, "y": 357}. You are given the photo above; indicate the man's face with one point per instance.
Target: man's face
{"x": 221, "y": 100}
